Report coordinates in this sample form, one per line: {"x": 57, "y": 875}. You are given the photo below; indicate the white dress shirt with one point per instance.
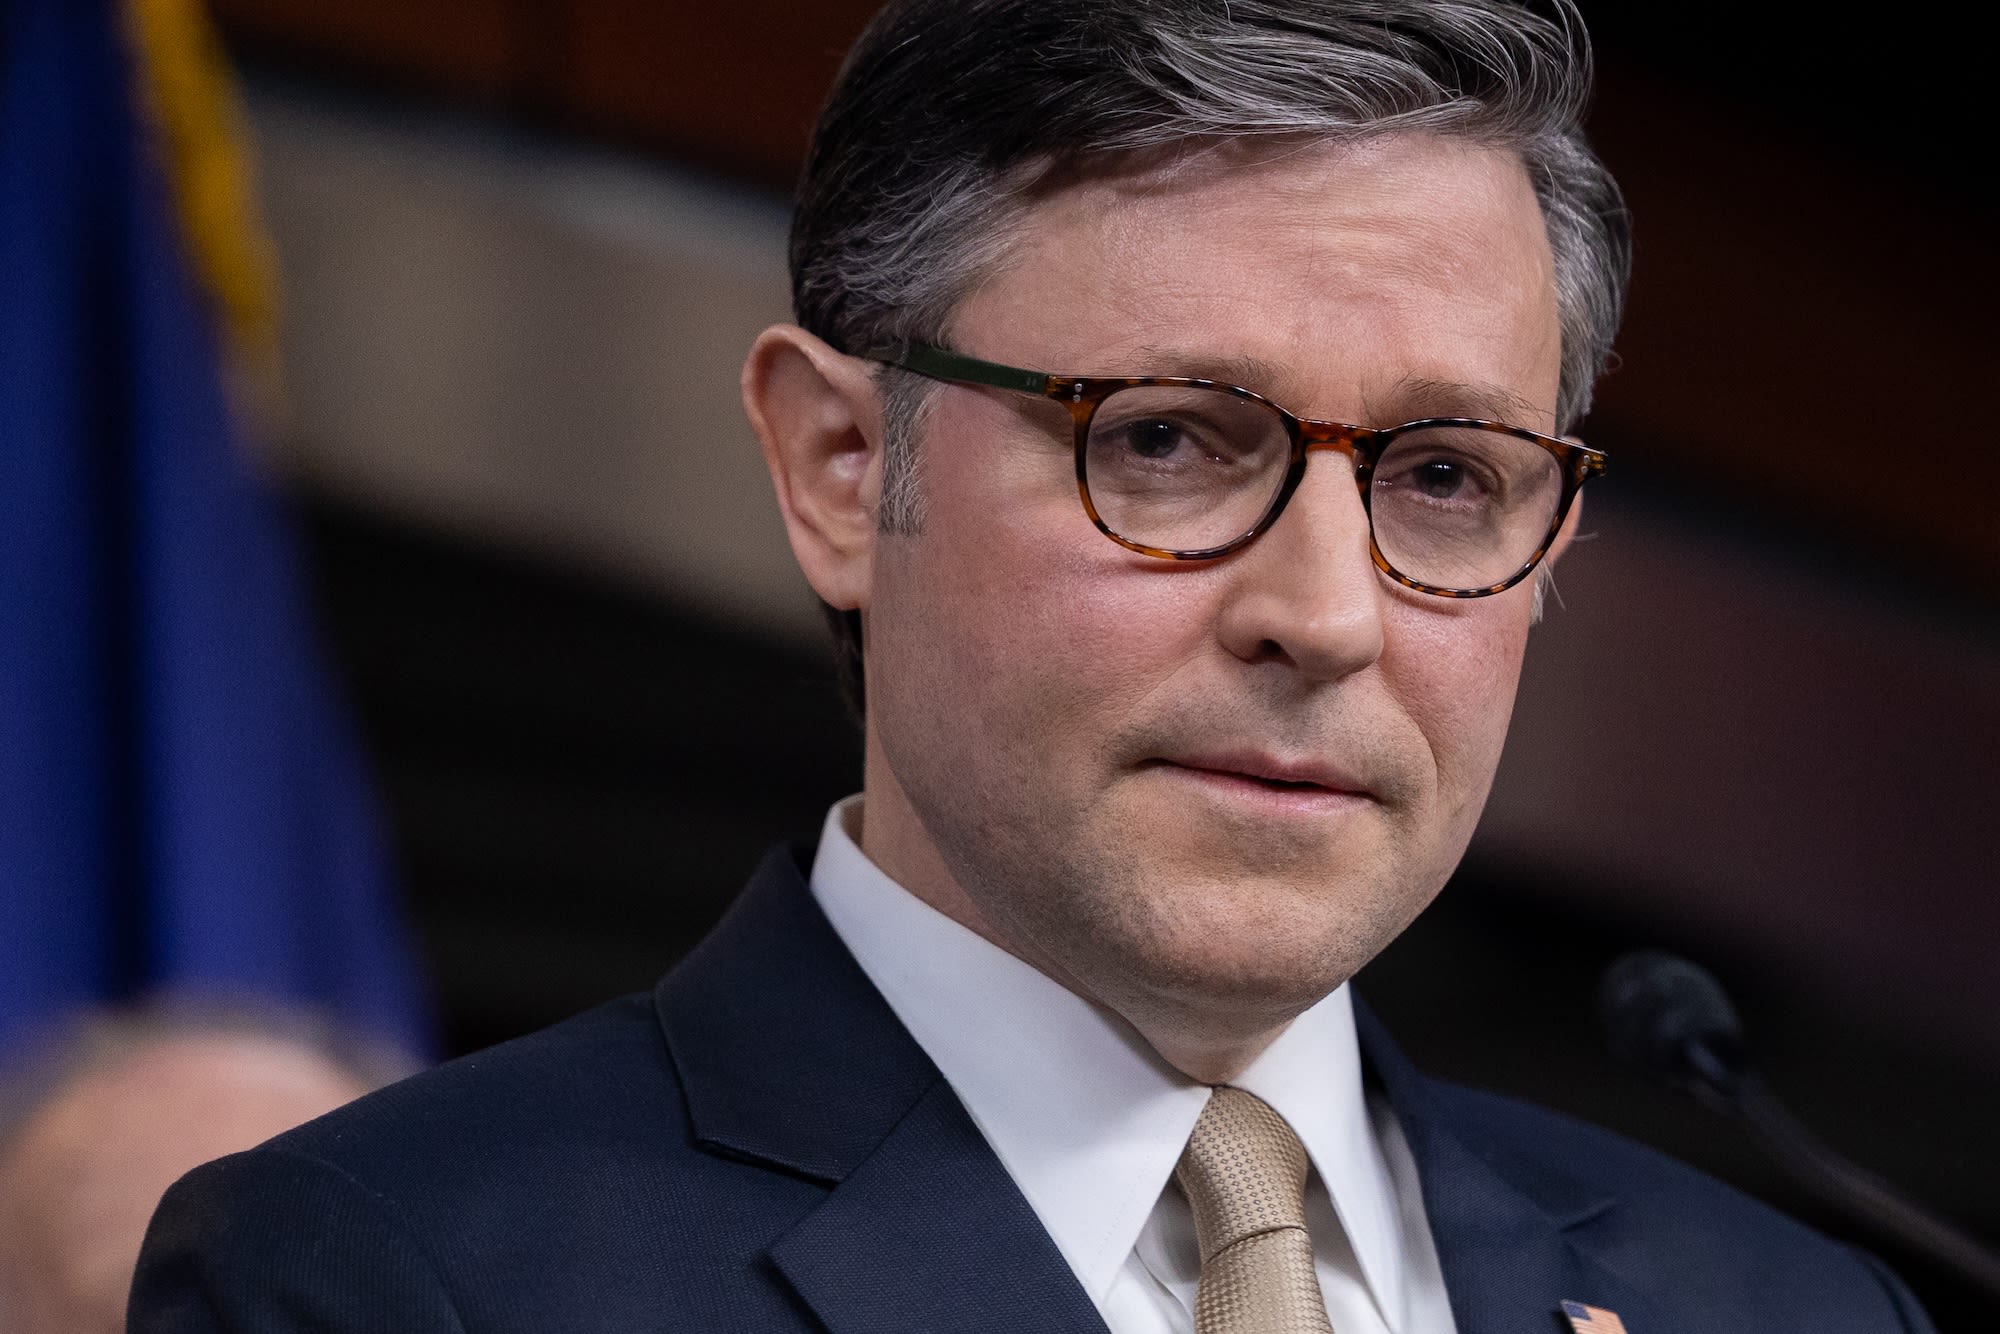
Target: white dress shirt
{"x": 1089, "y": 1121}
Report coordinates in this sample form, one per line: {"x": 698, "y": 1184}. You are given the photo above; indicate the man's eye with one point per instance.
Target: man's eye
{"x": 1153, "y": 437}
{"x": 1447, "y": 478}
{"x": 1440, "y": 480}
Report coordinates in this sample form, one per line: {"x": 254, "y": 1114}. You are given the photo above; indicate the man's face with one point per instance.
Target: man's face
{"x": 1215, "y": 786}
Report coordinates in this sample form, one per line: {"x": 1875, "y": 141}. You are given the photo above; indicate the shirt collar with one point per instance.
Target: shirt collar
{"x": 1083, "y": 1114}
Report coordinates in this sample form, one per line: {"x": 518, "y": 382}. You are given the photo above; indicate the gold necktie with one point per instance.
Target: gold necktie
{"x": 1244, "y": 1172}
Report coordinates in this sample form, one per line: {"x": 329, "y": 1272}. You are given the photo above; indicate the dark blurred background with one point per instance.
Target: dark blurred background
{"x": 524, "y": 244}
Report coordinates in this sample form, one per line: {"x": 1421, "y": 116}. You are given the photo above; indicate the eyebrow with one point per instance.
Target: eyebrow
{"x": 1246, "y": 372}
{"x": 1418, "y": 396}
{"x": 1411, "y": 398}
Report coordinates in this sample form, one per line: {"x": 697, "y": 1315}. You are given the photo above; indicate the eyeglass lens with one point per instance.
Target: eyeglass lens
{"x": 1188, "y": 469}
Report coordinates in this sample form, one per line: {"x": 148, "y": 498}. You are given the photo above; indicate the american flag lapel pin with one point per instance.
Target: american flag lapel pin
{"x": 1592, "y": 1319}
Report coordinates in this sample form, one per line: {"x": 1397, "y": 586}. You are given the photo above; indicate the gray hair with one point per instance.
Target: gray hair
{"x": 951, "y": 118}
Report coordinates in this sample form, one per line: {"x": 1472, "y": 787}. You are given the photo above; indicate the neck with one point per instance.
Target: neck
{"x": 1209, "y": 1058}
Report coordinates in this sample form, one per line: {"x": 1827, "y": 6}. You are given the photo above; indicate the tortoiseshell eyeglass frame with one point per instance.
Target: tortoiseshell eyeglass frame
{"x": 1083, "y": 394}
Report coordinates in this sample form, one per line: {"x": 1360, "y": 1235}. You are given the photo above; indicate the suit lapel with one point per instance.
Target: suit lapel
{"x": 790, "y": 1058}
{"x": 931, "y": 1234}
{"x": 1513, "y": 1243}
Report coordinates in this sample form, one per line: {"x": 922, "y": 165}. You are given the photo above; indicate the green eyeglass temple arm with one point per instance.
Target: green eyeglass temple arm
{"x": 939, "y": 364}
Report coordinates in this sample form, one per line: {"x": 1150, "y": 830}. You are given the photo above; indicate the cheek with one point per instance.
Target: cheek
{"x": 1042, "y": 640}
{"x": 1454, "y": 671}
{"x": 1033, "y": 616}
{"x": 1003, "y": 725}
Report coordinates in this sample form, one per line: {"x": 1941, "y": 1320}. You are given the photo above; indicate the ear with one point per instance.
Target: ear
{"x": 820, "y": 420}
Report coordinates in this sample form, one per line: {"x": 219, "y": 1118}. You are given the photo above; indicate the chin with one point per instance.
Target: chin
{"x": 1252, "y": 946}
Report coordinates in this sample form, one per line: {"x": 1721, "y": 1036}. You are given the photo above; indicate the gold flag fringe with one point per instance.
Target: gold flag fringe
{"x": 188, "y": 92}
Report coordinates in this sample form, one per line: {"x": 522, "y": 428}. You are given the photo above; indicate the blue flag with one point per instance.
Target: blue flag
{"x": 182, "y": 805}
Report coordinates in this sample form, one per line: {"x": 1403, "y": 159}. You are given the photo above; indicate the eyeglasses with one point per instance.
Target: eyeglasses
{"x": 1189, "y": 469}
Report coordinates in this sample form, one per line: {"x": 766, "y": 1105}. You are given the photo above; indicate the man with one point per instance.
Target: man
{"x": 119, "y": 1105}
{"x": 1175, "y": 426}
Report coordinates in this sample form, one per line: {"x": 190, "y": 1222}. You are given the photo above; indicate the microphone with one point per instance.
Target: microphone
{"x": 1672, "y": 1019}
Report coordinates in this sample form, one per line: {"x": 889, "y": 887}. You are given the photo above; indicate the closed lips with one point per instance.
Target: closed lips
{"x": 1272, "y": 773}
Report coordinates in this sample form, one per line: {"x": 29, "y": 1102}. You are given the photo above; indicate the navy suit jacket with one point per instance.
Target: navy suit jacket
{"x": 760, "y": 1145}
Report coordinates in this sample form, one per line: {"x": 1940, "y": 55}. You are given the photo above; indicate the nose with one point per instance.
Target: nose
{"x": 1307, "y": 592}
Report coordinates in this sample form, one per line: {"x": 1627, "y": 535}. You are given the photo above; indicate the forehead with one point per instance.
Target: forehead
{"x": 1328, "y": 270}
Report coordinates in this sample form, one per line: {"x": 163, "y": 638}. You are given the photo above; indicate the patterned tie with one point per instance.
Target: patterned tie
{"x": 1244, "y": 1172}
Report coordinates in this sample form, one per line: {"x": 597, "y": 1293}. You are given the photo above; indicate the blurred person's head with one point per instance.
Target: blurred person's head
{"x": 117, "y": 1106}
{"x": 1200, "y": 779}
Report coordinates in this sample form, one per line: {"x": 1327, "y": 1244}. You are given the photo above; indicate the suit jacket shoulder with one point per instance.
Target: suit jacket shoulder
{"x": 757, "y": 1145}
{"x": 549, "y": 1184}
